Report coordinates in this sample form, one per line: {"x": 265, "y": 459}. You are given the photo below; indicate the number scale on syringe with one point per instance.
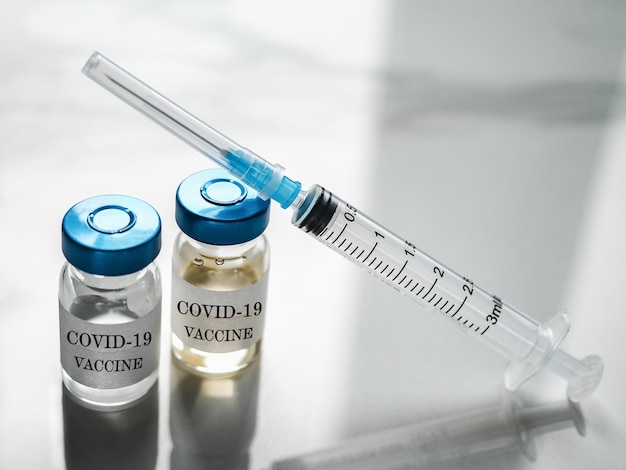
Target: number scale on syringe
{"x": 401, "y": 265}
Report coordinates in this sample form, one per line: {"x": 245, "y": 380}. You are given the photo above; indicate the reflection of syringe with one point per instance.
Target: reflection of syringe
{"x": 529, "y": 345}
{"x": 440, "y": 443}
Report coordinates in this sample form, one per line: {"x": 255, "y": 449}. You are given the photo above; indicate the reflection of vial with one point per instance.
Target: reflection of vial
{"x": 219, "y": 273}
{"x": 110, "y": 300}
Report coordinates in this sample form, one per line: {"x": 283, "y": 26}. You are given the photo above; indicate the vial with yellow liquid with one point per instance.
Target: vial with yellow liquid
{"x": 219, "y": 274}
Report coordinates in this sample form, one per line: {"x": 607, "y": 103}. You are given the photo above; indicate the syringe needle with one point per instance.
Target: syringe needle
{"x": 268, "y": 179}
{"x": 161, "y": 110}
{"x": 155, "y": 109}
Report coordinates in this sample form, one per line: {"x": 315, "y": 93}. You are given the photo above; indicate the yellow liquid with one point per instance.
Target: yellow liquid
{"x": 219, "y": 269}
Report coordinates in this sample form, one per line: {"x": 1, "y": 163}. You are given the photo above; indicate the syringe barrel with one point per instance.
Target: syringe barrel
{"x": 424, "y": 280}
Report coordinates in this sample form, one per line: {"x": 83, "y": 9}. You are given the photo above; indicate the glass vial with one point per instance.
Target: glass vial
{"x": 110, "y": 301}
{"x": 219, "y": 274}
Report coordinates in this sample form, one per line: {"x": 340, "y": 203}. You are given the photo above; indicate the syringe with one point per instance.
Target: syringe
{"x": 528, "y": 344}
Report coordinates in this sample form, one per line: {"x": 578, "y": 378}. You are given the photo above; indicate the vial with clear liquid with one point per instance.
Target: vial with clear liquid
{"x": 220, "y": 272}
{"x": 110, "y": 301}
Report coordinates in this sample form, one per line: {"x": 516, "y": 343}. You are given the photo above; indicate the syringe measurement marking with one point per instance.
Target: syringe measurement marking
{"x": 438, "y": 271}
{"x": 341, "y": 233}
{"x": 431, "y": 288}
{"x": 401, "y": 269}
{"x": 460, "y": 307}
{"x": 369, "y": 254}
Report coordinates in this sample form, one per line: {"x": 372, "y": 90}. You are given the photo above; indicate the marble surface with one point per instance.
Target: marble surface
{"x": 489, "y": 134}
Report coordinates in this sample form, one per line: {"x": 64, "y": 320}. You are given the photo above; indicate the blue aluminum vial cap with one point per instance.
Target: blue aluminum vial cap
{"x": 111, "y": 235}
{"x": 213, "y": 207}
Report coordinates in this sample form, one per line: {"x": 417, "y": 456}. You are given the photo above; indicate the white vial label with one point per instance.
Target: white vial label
{"x": 218, "y": 321}
{"x": 110, "y": 356}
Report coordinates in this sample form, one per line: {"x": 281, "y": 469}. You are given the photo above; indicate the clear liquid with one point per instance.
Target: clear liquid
{"x": 109, "y": 301}
{"x": 219, "y": 269}
{"x": 96, "y": 309}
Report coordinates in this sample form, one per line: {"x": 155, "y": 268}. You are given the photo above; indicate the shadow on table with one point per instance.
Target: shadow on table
{"x": 467, "y": 440}
{"x": 212, "y": 421}
{"x": 111, "y": 439}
